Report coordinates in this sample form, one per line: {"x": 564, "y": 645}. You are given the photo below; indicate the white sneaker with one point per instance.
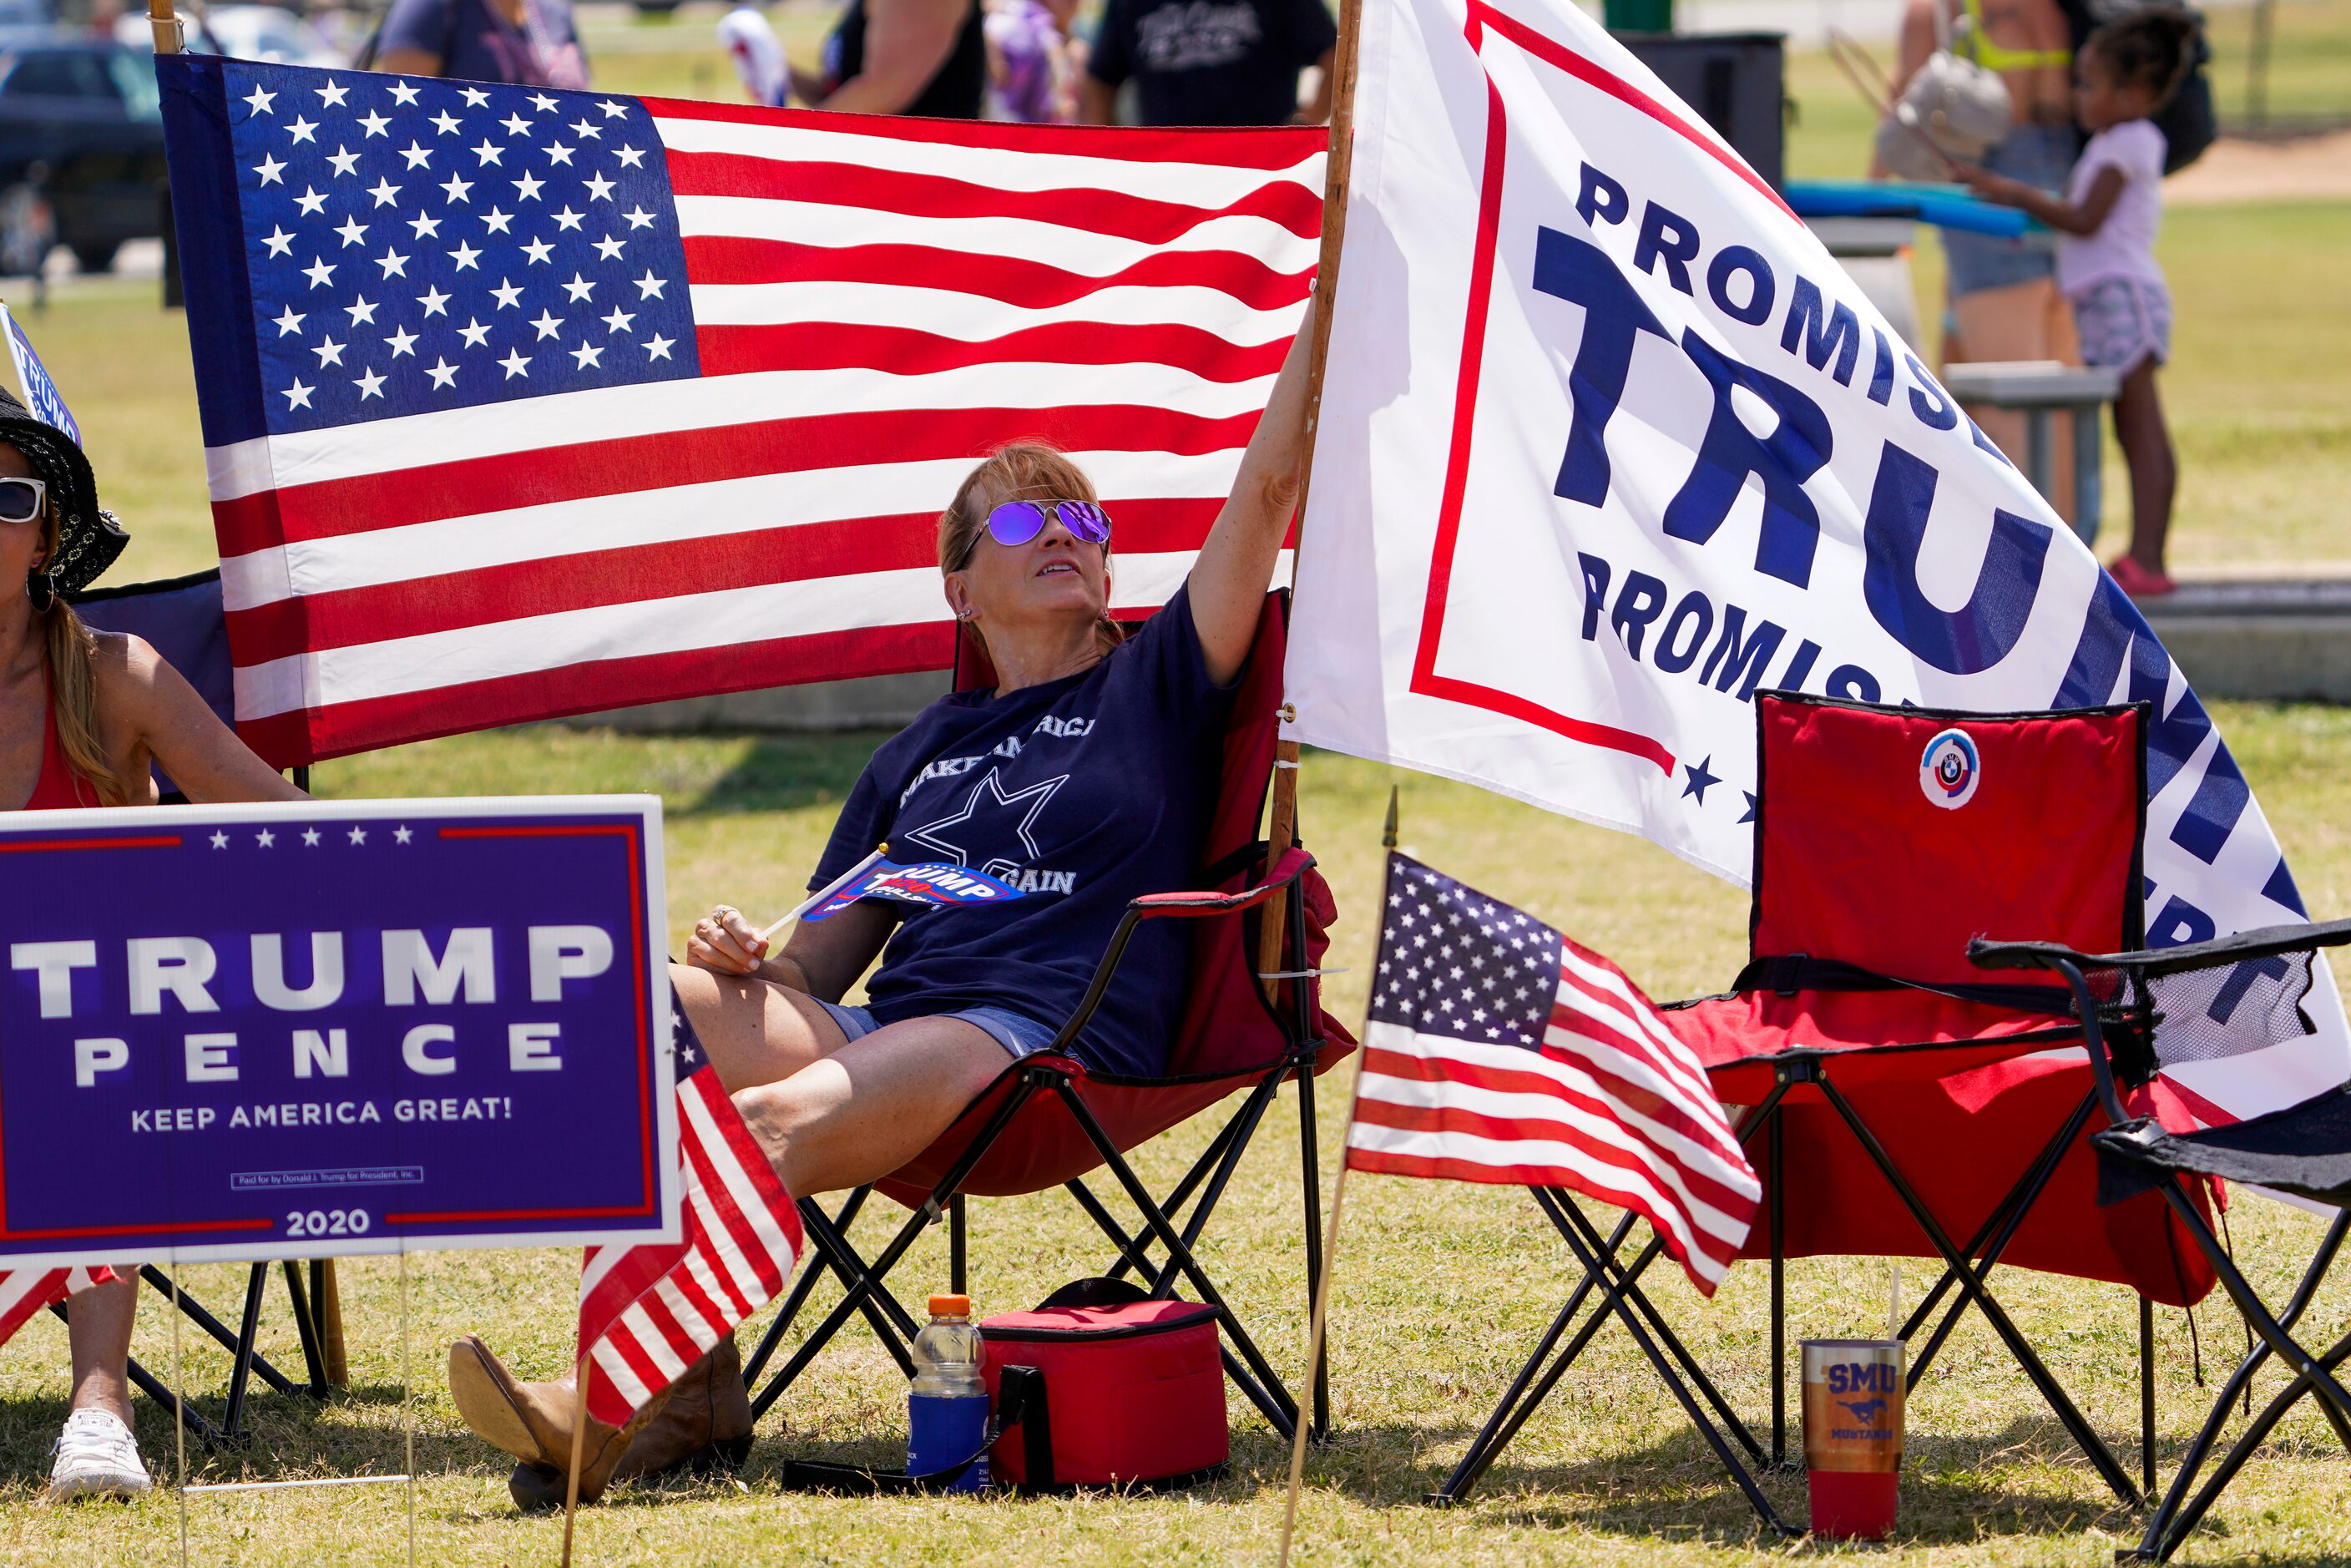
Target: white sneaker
{"x": 96, "y": 1457}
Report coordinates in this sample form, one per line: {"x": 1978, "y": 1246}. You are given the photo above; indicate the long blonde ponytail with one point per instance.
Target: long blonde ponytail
{"x": 73, "y": 693}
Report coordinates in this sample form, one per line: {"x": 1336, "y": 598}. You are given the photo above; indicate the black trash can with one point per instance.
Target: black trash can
{"x": 1736, "y": 82}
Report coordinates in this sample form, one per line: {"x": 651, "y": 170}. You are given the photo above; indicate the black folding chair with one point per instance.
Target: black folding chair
{"x": 2206, "y": 1001}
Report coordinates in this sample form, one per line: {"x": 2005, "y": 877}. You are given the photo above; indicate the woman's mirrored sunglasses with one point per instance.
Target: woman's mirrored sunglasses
{"x": 20, "y": 500}
{"x": 1016, "y": 523}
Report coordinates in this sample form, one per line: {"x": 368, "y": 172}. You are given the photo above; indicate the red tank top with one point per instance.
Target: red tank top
{"x": 59, "y": 787}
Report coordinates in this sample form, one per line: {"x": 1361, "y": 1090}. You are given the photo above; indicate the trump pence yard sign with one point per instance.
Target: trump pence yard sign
{"x": 250, "y": 1032}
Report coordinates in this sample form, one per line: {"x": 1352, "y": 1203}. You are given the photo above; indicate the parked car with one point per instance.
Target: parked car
{"x": 80, "y": 121}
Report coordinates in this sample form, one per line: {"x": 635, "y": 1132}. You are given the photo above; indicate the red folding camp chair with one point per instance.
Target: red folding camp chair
{"x": 1049, "y": 1121}
{"x": 1859, "y": 1049}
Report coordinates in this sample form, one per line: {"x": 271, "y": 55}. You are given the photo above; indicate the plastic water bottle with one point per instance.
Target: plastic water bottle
{"x": 947, "y": 1411}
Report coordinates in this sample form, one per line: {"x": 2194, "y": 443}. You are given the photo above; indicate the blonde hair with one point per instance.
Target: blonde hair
{"x": 1023, "y": 469}
{"x": 73, "y": 686}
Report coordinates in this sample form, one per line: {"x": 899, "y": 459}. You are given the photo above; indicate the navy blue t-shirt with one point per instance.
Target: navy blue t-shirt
{"x": 1212, "y": 62}
{"x": 1084, "y": 793}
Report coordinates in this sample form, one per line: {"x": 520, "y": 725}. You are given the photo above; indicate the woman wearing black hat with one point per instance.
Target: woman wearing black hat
{"x": 82, "y": 716}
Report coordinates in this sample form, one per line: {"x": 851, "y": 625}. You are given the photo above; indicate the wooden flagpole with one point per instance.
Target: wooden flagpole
{"x": 578, "y": 1441}
{"x": 1330, "y": 1265}
{"x": 1281, "y": 827}
{"x": 165, "y": 26}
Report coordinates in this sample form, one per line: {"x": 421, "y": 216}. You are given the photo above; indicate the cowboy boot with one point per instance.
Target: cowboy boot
{"x": 536, "y": 1486}
{"x": 704, "y": 1428}
{"x": 533, "y": 1421}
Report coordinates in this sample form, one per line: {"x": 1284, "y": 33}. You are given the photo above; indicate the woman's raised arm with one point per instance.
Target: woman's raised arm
{"x": 1235, "y": 564}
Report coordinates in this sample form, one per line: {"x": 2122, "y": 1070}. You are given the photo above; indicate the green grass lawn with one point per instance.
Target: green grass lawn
{"x": 1442, "y": 1287}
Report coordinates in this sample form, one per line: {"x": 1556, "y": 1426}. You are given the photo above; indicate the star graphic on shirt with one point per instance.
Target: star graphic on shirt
{"x": 987, "y": 814}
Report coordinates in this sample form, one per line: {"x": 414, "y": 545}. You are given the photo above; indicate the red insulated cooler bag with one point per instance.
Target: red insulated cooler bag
{"x": 1134, "y": 1390}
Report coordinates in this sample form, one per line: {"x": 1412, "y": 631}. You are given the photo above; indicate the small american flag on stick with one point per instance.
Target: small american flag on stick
{"x": 520, "y": 402}
{"x": 25, "y": 1292}
{"x": 649, "y": 1311}
{"x": 1500, "y": 1051}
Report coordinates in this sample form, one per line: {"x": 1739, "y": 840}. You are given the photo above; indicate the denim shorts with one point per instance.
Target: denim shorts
{"x": 1015, "y": 1032}
{"x": 2039, "y": 155}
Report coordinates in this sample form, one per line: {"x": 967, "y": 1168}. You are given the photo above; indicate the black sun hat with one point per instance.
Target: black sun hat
{"x": 88, "y": 539}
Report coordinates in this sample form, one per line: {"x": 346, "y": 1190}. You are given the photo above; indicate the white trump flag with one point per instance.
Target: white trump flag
{"x": 1609, "y": 442}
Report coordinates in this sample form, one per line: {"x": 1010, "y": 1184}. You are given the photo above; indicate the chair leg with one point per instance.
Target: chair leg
{"x": 1992, "y": 1239}
{"x": 2146, "y": 1395}
{"x": 1563, "y": 1212}
{"x": 801, "y": 1289}
{"x": 1616, "y": 1303}
{"x": 240, "y": 1369}
{"x": 2255, "y": 1433}
{"x": 1175, "y": 1196}
{"x": 2150, "y": 1544}
{"x": 1778, "y": 1298}
{"x": 1251, "y": 1114}
{"x": 1516, "y": 1406}
{"x": 222, "y": 1336}
{"x": 305, "y": 1323}
{"x": 958, "y": 1232}
{"x": 1283, "y": 1415}
{"x": 862, "y": 1290}
{"x": 2333, "y": 1403}
{"x": 2093, "y": 1447}
{"x": 1309, "y": 1182}
{"x": 862, "y": 1282}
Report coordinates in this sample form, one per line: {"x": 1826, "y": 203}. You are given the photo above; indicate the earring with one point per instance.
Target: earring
{"x": 41, "y": 588}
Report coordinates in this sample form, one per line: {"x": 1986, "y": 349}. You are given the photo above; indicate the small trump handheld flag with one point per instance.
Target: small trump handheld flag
{"x": 874, "y": 877}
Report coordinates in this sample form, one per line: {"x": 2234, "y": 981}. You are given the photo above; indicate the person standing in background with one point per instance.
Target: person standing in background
{"x": 901, "y": 57}
{"x": 2004, "y": 298}
{"x": 2106, "y": 223}
{"x": 527, "y": 43}
{"x": 1032, "y": 61}
{"x": 1211, "y": 62}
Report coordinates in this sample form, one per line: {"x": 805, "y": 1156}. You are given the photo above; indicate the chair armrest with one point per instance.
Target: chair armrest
{"x": 1284, "y": 873}
{"x": 1987, "y": 954}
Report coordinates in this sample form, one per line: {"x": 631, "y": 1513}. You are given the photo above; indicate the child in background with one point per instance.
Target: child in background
{"x": 2106, "y": 225}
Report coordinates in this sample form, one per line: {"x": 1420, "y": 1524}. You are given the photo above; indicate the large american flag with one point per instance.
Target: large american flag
{"x": 1499, "y": 1051}
{"x": 520, "y": 402}
{"x": 649, "y": 1311}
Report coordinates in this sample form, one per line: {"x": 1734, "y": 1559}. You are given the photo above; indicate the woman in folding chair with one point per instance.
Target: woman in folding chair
{"x": 81, "y": 718}
{"x": 1085, "y": 776}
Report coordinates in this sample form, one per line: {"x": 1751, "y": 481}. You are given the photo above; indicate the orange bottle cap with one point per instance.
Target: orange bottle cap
{"x": 950, "y": 1306}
